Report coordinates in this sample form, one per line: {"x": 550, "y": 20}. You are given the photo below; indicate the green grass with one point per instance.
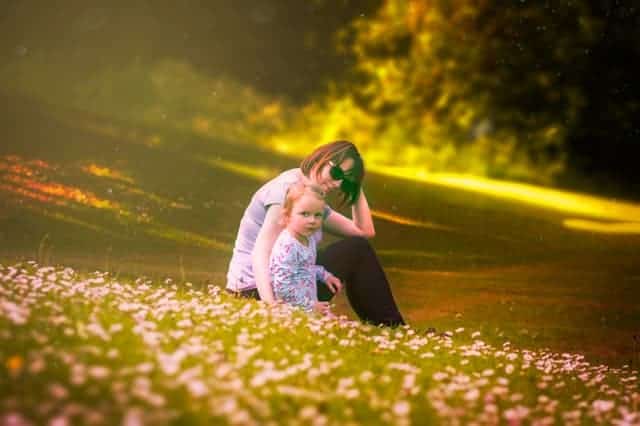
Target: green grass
{"x": 93, "y": 349}
{"x": 497, "y": 266}
{"x": 536, "y": 305}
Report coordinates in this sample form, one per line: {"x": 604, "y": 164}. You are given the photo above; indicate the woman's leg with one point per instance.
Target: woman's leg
{"x": 354, "y": 261}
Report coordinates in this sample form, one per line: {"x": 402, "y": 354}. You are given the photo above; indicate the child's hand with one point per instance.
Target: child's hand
{"x": 322, "y": 308}
{"x": 334, "y": 283}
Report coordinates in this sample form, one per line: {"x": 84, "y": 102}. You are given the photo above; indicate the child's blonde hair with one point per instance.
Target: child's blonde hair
{"x": 295, "y": 192}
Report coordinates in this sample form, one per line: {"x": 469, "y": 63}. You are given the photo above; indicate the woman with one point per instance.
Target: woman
{"x": 334, "y": 166}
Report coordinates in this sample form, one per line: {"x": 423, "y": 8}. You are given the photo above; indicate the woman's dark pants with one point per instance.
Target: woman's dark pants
{"x": 354, "y": 261}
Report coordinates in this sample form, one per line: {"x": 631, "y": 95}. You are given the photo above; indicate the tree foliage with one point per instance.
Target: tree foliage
{"x": 463, "y": 85}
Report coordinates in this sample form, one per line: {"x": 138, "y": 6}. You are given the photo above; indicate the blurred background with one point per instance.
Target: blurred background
{"x": 501, "y": 144}
{"x": 542, "y": 92}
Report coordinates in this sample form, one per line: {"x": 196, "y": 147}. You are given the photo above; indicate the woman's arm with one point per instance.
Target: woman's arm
{"x": 262, "y": 249}
{"x": 360, "y": 224}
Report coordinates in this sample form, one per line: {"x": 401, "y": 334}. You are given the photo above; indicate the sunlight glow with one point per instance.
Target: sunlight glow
{"x": 407, "y": 221}
{"x": 626, "y": 214}
{"x": 165, "y": 202}
{"x": 35, "y": 180}
{"x": 103, "y": 171}
{"x": 251, "y": 171}
{"x": 24, "y": 178}
{"x": 100, "y": 171}
{"x": 282, "y": 147}
{"x": 22, "y": 192}
{"x": 603, "y": 227}
{"x": 64, "y": 192}
{"x": 185, "y": 237}
{"x": 564, "y": 201}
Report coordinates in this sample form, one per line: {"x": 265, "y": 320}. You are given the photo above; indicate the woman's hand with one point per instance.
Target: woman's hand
{"x": 333, "y": 282}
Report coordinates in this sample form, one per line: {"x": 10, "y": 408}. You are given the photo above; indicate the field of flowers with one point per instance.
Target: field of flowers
{"x": 97, "y": 349}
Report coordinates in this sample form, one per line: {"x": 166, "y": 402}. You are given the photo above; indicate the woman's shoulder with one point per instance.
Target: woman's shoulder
{"x": 286, "y": 177}
{"x": 273, "y": 191}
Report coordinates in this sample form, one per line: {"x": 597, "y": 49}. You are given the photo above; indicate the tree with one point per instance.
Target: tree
{"x": 463, "y": 85}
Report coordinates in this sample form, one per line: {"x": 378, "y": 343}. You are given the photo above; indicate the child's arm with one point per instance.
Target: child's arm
{"x": 321, "y": 273}
{"x": 333, "y": 282}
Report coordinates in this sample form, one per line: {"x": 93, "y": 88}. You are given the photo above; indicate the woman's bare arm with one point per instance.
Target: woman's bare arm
{"x": 360, "y": 225}
{"x": 267, "y": 235}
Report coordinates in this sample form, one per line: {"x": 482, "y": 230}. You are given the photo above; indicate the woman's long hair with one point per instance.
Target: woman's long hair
{"x": 336, "y": 152}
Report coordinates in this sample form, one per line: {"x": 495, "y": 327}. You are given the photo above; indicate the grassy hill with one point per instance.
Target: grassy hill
{"x": 95, "y": 192}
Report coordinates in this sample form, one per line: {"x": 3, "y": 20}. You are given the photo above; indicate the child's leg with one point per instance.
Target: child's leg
{"x": 354, "y": 261}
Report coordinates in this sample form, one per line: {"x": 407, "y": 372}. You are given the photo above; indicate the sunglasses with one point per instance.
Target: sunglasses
{"x": 346, "y": 185}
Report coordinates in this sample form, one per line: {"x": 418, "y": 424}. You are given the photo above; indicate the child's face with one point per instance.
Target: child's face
{"x": 306, "y": 215}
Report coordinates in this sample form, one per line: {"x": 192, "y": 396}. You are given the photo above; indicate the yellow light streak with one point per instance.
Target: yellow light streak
{"x": 402, "y": 220}
{"x": 158, "y": 199}
{"x": 186, "y": 237}
{"x": 24, "y": 177}
{"x": 626, "y": 214}
{"x": 251, "y": 171}
{"x": 19, "y": 191}
{"x": 603, "y": 227}
{"x": 96, "y": 170}
{"x": 16, "y": 165}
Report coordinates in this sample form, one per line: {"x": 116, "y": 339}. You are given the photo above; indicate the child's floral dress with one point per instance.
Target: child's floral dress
{"x": 294, "y": 272}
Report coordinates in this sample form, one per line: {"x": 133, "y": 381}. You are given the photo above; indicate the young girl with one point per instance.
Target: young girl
{"x": 292, "y": 263}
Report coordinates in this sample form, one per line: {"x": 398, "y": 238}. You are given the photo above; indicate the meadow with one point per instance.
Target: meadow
{"x": 535, "y": 307}
{"x": 81, "y": 348}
